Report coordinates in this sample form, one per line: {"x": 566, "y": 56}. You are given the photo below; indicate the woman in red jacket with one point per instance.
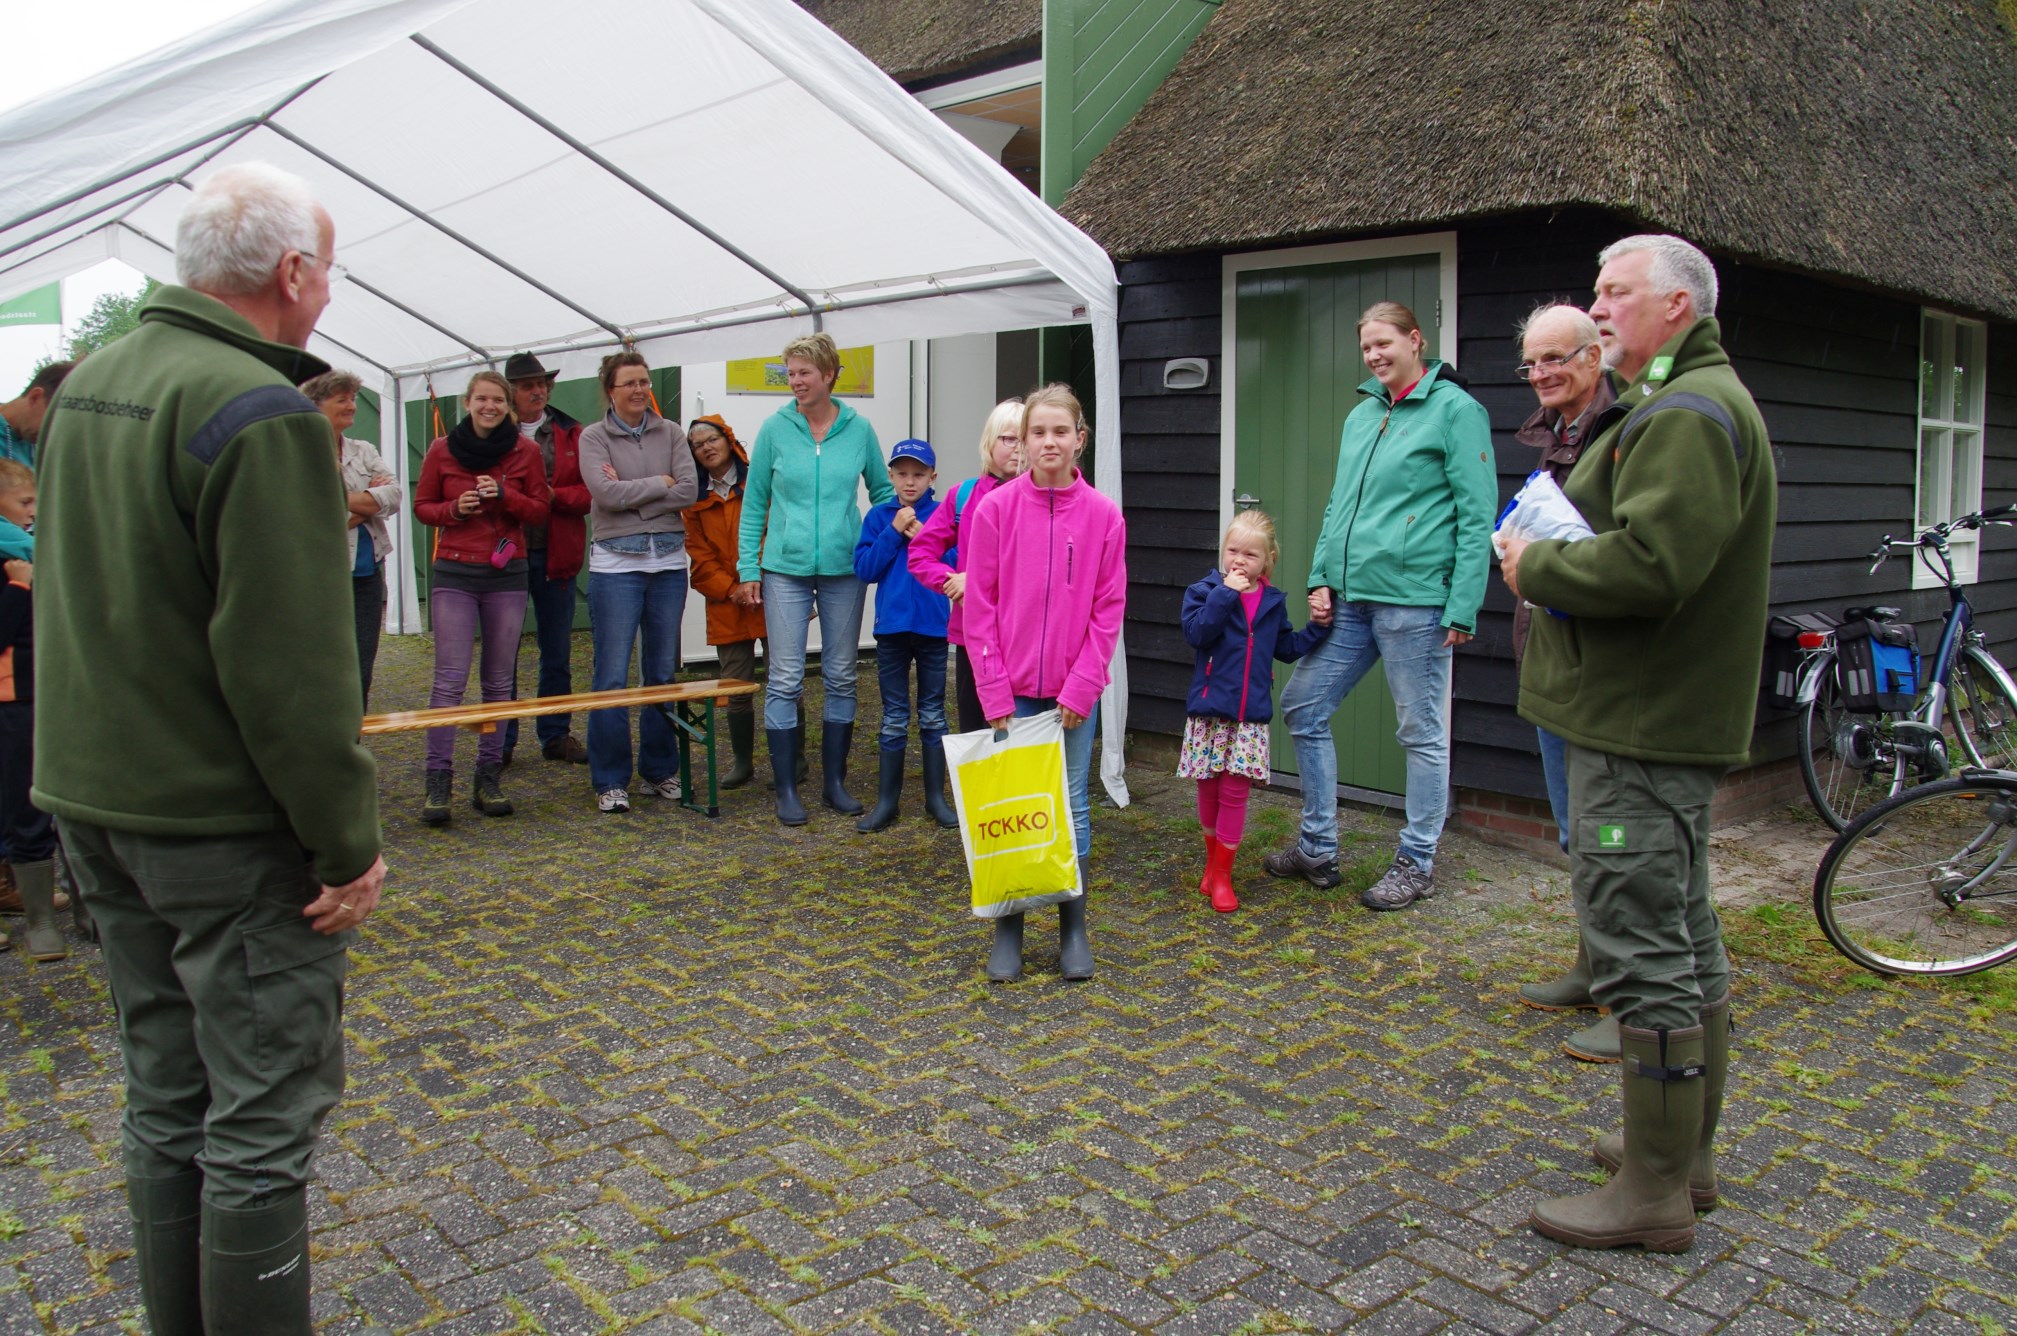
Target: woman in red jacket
{"x": 479, "y": 485}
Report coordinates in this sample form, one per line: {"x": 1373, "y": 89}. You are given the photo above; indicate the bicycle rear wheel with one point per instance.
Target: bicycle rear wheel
{"x": 1847, "y": 760}
{"x": 1983, "y": 712}
{"x": 1926, "y": 882}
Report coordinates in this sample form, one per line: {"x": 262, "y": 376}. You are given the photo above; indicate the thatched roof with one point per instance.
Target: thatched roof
{"x": 1876, "y": 141}
{"x": 913, "y": 40}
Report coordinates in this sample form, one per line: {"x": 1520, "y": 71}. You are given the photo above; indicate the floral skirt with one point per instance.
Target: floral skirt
{"x": 1213, "y": 746}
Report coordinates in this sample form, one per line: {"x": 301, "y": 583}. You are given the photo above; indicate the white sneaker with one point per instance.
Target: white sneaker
{"x": 613, "y": 800}
{"x": 667, "y": 788}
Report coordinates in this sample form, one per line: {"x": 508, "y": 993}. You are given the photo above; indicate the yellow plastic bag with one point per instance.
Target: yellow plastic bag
{"x": 1015, "y": 817}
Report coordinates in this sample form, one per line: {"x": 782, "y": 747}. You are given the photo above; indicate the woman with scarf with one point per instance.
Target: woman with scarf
{"x": 479, "y": 486}
{"x": 640, "y": 475}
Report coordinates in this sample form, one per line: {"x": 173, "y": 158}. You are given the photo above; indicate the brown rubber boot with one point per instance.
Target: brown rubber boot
{"x": 1610, "y": 1148}
{"x": 1646, "y": 1202}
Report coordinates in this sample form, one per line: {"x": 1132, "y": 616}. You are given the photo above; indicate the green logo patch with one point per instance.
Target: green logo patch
{"x": 1610, "y": 837}
{"x": 1662, "y": 368}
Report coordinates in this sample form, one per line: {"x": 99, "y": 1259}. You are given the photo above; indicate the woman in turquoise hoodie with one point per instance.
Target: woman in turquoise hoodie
{"x": 1399, "y": 570}
{"x": 800, "y": 520}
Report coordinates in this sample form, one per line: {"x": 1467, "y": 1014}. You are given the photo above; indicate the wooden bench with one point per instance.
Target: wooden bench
{"x": 687, "y": 706}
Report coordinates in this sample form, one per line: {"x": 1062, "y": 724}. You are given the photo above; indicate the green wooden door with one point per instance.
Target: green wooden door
{"x": 1297, "y": 373}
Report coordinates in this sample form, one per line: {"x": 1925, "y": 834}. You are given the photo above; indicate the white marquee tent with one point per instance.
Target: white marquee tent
{"x": 703, "y": 179}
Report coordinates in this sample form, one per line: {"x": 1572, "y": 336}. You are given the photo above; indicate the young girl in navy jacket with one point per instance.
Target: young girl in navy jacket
{"x": 1238, "y": 624}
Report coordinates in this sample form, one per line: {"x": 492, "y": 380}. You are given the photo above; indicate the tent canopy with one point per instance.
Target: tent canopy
{"x": 701, "y": 179}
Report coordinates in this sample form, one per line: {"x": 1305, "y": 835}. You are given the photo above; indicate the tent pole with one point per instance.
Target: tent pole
{"x": 46, "y": 233}
{"x": 117, "y": 177}
{"x": 423, "y": 216}
{"x": 399, "y": 560}
{"x": 811, "y": 307}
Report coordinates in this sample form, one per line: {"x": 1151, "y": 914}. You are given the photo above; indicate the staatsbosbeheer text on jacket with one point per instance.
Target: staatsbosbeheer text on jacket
{"x": 1234, "y": 677}
{"x": 1047, "y": 587}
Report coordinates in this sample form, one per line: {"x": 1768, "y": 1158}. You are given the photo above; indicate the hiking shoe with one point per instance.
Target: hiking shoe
{"x": 667, "y": 788}
{"x": 485, "y": 795}
{"x": 1293, "y": 862}
{"x": 566, "y": 747}
{"x": 613, "y": 800}
{"x": 1400, "y": 886}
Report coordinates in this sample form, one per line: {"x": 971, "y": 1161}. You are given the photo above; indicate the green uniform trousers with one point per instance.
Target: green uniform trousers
{"x": 1639, "y": 866}
{"x": 230, "y": 1004}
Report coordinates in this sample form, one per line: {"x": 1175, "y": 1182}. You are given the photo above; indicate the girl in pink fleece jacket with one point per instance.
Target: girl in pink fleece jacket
{"x": 1047, "y": 585}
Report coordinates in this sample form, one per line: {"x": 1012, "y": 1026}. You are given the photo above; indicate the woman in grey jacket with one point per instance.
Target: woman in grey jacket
{"x": 640, "y": 475}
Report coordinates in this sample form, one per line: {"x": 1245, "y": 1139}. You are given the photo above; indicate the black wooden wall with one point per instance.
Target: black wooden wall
{"x": 1834, "y": 370}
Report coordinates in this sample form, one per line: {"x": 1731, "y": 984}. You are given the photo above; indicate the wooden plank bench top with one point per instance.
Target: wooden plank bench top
{"x": 687, "y": 706}
{"x": 481, "y": 717}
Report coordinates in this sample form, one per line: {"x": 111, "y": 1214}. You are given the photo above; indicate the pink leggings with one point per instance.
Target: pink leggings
{"x": 1222, "y": 806}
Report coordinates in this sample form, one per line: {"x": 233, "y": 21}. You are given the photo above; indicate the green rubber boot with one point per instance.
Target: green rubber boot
{"x": 43, "y": 940}
{"x": 1646, "y": 1202}
{"x": 742, "y": 750}
{"x": 1571, "y": 992}
{"x": 255, "y": 1267}
{"x": 167, "y": 1224}
{"x": 1596, "y": 1042}
{"x": 1610, "y": 1149}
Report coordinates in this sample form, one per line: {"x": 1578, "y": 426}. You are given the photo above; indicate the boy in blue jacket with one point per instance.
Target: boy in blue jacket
{"x": 910, "y": 623}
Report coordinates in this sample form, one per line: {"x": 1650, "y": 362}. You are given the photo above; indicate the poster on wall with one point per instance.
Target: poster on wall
{"x": 765, "y": 375}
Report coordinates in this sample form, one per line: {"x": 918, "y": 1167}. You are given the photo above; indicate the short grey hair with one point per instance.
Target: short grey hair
{"x": 1677, "y": 267}
{"x": 238, "y": 225}
{"x": 1581, "y": 328}
{"x": 330, "y": 385}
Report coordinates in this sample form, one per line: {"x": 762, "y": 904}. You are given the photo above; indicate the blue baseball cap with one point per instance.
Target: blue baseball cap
{"x": 914, "y": 449}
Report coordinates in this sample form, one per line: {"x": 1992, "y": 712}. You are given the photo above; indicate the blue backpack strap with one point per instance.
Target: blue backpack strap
{"x": 959, "y": 500}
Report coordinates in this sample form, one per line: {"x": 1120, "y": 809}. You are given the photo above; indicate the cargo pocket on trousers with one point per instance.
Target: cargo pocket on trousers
{"x": 297, "y": 993}
{"x": 1628, "y": 859}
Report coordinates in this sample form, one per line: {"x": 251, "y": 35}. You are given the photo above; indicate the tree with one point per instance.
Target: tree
{"x": 110, "y": 316}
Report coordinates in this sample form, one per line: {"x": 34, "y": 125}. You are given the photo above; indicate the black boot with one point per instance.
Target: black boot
{"x": 934, "y": 781}
{"x": 742, "y": 748}
{"x": 1005, "y": 960}
{"x": 1075, "y": 953}
{"x": 834, "y": 743}
{"x": 437, "y": 809}
{"x": 784, "y": 771}
{"x": 167, "y": 1221}
{"x": 485, "y": 795}
{"x": 255, "y": 1267}
{"x": 889, "y": 787}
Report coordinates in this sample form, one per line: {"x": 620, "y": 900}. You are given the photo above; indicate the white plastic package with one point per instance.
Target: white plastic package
{"x": 1539, "y": 510}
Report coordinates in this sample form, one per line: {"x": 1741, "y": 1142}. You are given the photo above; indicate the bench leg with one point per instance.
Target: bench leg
{"x": 691, "y": 727}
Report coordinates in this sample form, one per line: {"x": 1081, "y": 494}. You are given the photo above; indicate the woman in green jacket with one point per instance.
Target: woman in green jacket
{"x": 1399, "y": 570}
{"x": 800, "y": 520}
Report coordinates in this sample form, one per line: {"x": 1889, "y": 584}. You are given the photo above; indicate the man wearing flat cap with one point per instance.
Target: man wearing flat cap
{"x": 555, "y": 549}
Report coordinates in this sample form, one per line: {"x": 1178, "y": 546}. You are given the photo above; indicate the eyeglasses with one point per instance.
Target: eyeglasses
{"x": 1527, "y": 370}
{"x": 336, "y": 271}
{"x": 633, "y": 384}
{"x": 1010, "y": 438}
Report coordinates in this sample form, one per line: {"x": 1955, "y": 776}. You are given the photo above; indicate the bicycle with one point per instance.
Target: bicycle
{"x": 1849, "y": 759}
{"x": 1925, "y": 883}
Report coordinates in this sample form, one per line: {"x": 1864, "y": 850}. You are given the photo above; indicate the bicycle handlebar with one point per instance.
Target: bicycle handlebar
{"x": 1935, "y": 537}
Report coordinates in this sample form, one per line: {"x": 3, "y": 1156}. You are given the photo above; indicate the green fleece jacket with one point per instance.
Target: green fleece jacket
{"x": 194, "y": 624}
{"x": 1410, "y": 516}
{"x": 1657, "y": 658}
{"x": 799, "y": 507}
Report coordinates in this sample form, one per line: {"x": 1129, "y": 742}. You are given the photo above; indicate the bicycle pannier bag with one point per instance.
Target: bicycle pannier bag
{"x": 1783, "y": 657}
{"x": 1877, "y": 665}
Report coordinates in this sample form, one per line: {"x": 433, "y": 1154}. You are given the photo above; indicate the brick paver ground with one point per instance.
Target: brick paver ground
{"x": 657, "y": 1074}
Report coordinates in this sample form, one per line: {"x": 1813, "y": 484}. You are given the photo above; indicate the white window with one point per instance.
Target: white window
{"x": 1952, "y": 354}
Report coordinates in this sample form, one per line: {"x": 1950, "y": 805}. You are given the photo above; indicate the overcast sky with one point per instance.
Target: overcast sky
{"x": 51, "y": 46}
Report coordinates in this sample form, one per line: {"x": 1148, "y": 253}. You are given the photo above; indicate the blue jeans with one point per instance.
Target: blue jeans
{"x": 1078, "y": 766}
{"x": 1555, "y": 765}
{"x": 553, "y": 610}
{"x": 787, "y": 611}
{"x": 620, "y": 605}
{"x": 894, "y": 654}
{"x": 1410, "y": 642}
